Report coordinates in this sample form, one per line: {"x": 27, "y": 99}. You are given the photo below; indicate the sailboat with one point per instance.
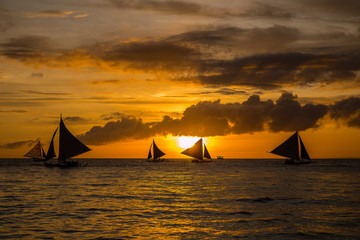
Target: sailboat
{"x": 69, "y": 146}
{"x": 37, "y": 153}
{"x": 155, "y": 154}
{"x": 196, "y": 151}
{"x": 294, "y": 150}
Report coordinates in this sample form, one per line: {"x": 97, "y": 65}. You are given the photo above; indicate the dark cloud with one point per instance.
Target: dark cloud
{"x": 127, "y": 127}
{"x": 347, "y": 110}
{"x": 223, "y": 91}
{"x": 213, "y": 118}
{"x": 14, "y": 145}
{"x": 110, "y": 81}
{"x": 289, "y": 115}
{"x": 189, "y": 57}
{"x": 345, "y": 7}
{"x": 259, "y": 9}
{"x": 27, "y": 47}
{"x": 191, "y": 8}
{"x": 114, "y": 115}
{"x": 197, "y": 57}
{"x": 6, "y": 21}
{"x": 44, "y": 93}
{"x": 240, "y": 39}
{"x": 37, "y": 75}
{"x": 157, "y": 55}
{"x": 269, "y": 71}
{"x": 74, "y": 119}
{"x": 13, "y": 111}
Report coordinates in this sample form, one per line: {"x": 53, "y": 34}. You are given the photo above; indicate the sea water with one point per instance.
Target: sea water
{"x": 179, "y": 199}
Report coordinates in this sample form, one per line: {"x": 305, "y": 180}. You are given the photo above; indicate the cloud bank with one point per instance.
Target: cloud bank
{"x": 213, "y": 118}
{"x": 190, "y": 8}
{"x": 259, "y": 58}
{"x": 347, "y": 110}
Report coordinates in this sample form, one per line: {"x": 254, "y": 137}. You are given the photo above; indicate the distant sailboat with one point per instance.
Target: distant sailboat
{"x": 196, "y": 151}
{"x": 69, "y": 146}
{"x": 37, "y": 153}
{"x": 293, "y": 149}
{"x": 155, "y": 154}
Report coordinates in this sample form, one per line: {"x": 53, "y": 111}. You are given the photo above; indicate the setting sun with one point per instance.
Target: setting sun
{"x": 186, "y": 142}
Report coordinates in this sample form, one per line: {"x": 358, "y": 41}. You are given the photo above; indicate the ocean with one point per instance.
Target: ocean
{"x": 179, "y": 199}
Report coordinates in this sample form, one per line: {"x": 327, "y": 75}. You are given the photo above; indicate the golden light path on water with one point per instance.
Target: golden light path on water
{"x": 179, "y": 199}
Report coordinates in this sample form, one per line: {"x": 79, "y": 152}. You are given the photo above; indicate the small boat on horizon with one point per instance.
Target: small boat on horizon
{"x": 155, "y": 154}
{"x": 37, "y": 153}
{"x": 294, "y": 150}
{"x": 197, "y": 152}
{"x": 69, "y": 146}
{"x": 220, "y": 157}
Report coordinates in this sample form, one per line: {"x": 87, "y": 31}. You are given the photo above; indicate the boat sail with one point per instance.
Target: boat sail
{"x": 293, "y": 149}
{"x": 37, "y": 153}
{"x": 51, "y": 151}
{"x": 154, "y": 156}
{"x": 69, "y": 146}
{"x": 196, "y": 151}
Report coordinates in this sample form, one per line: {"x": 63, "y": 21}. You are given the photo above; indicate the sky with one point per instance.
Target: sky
{"x": 242, "y": 74}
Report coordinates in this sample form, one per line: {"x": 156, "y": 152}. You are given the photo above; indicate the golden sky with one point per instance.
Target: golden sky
{"x": 242, "y": 74}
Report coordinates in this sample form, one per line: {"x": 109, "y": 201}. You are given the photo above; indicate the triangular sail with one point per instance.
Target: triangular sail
{"x": 43, "y": 153}
{"x": 195, "y": 151}
{"x": 304, "y": 154}
{"x": 206, "y": 153}
{"x": 51, "y": 151}
{"x": 35, "y": 152}
{"x": 289, "y": 148}
{"x": 69, "y": 146}
{"x": 157, "y": 152}
{"x": 149, "y": 154}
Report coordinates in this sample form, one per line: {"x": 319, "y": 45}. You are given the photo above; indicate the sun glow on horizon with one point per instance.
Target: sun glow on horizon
{"x": 186, "y": 142}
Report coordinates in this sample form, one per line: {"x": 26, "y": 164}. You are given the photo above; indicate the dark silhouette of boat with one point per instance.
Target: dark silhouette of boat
{"x": 37, "y": 153}
{"x": 155, "y": 154}
{"x": 294, "y": 150}
{"x": 69, "y": 146}
{"x": 198, "y": 152}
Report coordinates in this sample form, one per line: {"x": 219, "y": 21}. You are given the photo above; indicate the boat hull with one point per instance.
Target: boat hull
{"x": 39, "y": 159}
{"x": 65, "y": 164}
{"x": 156, "y": 160}
{"x": 200, "y": 161}
{"x": 297, "y": 162}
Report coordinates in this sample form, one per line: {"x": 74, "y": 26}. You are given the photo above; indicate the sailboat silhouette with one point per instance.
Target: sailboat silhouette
{"x": 155, "y": 154}
{"x": 293, "y": 149}
{"x": 69, "y": 146}
{"x": 196, "y": 151}
{"x": 37, "y": 153}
